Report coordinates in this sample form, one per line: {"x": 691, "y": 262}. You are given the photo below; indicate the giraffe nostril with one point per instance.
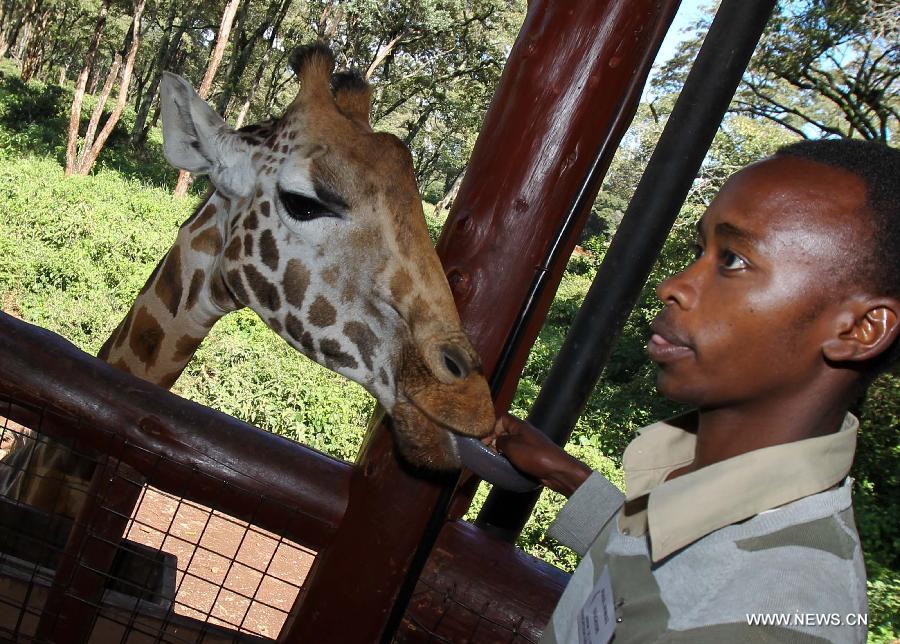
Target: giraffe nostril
{"x": 455, "y": 363}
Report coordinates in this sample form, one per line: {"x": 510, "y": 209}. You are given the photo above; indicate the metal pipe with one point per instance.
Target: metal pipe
{"x": 686, "y": 138}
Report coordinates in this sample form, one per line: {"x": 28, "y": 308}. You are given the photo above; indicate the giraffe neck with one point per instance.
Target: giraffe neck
{"x": 181, "y": 301}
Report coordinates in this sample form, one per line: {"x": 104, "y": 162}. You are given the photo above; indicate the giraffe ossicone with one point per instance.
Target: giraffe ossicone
{"x": 315, "y": 223}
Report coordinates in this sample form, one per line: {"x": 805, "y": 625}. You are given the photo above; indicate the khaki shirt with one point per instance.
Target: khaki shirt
{"x": 767, "y": 532}
{"x": 691, "y": 506}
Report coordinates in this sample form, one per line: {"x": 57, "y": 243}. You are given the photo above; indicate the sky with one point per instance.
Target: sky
{"x": 688, "y": 13}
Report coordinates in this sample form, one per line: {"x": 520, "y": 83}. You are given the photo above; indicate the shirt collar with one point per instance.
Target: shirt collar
{"x": 691, "y": 506}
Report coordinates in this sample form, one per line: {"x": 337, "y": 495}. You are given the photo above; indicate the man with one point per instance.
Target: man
{"x": 738, "y": 522}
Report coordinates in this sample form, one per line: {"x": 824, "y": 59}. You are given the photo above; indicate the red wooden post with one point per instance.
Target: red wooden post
{"x": 569, "y": 90}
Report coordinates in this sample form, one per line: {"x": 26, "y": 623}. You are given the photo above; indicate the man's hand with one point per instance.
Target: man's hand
{"x": 533, "y": 453}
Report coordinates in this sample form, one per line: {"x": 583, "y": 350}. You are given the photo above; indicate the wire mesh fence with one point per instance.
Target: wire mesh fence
{"x": 90, "y": 551}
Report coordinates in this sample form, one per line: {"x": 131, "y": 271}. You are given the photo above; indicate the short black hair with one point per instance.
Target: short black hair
{"x": 878, "y": 165}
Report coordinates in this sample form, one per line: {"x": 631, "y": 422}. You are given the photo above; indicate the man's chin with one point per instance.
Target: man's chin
{"x": 422, "y": 442}
{"x": 677, "y": 389}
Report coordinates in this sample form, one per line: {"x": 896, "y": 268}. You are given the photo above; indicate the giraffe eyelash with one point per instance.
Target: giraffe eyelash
{"x": 302, "y": 208}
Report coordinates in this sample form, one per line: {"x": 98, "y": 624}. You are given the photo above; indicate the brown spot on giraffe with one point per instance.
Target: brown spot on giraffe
{"x": 233, "y": 252}
{"x": 420, "y": 309}
{"x": 265, "y": 209}
{"x": 268, "y": 249}
{"x": 335, "y": 358}
{"x": 209, "y": 242}
{"x": 146, "y": 337}
{"x": 322, "y": 313}
{"x": 248, "y": 245}
{"x": 234, "y": 282}
{"x": 349, "y": 292}
{"x": 203, "y": 217}
{"x": 401, "y": 285}
{"x": 124, "y": 330}
{"x": 221, "y": 294}
{"x": 265, "y": 291}
{"x": 296, "y": 330}
{"x": 275, "y": 325}
{"x": 294, "y": 326}
{"x": 186, "y": 346}
{"x": 366, "y": 238}
{"x": 251, "y": 221}
{"x": 197, "y": 281}
{"x": 364, "y": 338}
{"x": 103, "y": 354}
{"x": 373, "y": 312}
{"x": 331, "y": 275}
{"x": 169, "y": 379}
{"x": 295, "y": 282}
{"x": 168, "y": 283}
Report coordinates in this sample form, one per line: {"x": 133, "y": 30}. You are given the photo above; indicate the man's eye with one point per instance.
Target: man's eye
{"x": 732, "y": 262}
{"x": 303, "y": 208}
{"x": 698, "y": 251}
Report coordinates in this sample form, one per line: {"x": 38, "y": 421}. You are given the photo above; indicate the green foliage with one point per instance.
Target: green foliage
{"x": 822, "y": 68}
{"x": 884, "y": 603}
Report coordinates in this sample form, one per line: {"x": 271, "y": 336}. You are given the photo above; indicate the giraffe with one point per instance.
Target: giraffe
{"x": 316, "y": 224}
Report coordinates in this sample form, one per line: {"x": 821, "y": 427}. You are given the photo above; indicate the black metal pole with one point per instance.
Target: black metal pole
{"x": 663, "y": 187}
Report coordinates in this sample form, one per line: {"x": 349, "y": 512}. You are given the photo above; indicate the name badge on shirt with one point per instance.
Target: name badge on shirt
{"x": 597, "y": 619}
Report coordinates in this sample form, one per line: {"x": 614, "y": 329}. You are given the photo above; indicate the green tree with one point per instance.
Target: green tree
{"x": 823, "y": 68}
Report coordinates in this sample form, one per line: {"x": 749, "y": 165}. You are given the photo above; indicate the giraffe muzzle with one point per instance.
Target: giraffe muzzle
{"x": 440, "y": 393}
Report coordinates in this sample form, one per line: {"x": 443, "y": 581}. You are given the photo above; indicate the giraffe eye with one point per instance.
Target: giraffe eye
{"x": 303, "y": 208}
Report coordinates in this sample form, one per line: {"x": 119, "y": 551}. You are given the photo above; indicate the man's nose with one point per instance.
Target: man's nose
{"x": 680, "y": 289}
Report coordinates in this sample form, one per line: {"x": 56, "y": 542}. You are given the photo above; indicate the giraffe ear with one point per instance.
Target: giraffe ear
{"x": 197, "y": 139}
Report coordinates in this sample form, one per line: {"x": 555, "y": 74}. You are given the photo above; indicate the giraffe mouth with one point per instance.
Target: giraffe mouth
{"x": 426, "y": 437}
{"x": 421, "y": 441}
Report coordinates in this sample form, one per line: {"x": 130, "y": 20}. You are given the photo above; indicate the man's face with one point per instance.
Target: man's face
{"x": 745, "y": 322}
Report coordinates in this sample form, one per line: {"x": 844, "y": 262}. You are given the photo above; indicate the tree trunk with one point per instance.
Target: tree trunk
{"x": 97, "y": 145}
{"x": 418, "y": 125}
{"x": 242, "y": 45}
{"x": 22, "y": 24}
{"x": 383, "y": 52}
{"x": 261, "y": 68}
{"x": 184, "y": 178}
{"x": 80, "y": 84}
{"x": 329, "y": 20}
{"x": 442, "y": 207}
{"x": 98, "y": 112}
{"x": 31, "y": 58}
{"x": 168, "y": 49}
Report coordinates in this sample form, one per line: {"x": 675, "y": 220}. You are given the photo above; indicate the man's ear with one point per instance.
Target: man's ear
{"x": 197, "y": 139}
{"x": 864, "y": 330}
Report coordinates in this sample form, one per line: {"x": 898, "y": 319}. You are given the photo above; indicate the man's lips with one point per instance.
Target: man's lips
{"x": 666, "y": 344}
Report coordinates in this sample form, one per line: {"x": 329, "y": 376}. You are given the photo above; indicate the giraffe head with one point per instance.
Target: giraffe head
{"x": 324, "y": 237}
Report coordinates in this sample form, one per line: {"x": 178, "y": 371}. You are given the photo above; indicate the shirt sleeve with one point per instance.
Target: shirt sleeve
{"x": 583, "y": 516}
